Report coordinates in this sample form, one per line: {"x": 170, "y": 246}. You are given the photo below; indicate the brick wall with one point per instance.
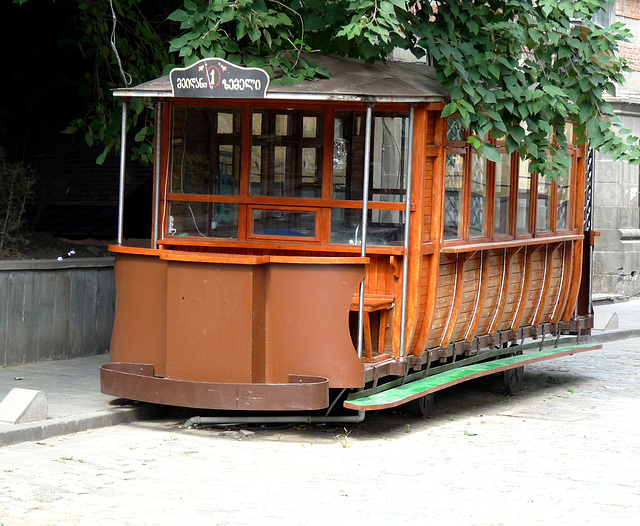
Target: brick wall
{"x": 628, "y": 11}
{"x": 630, "y": 52}
{"x": 628, "y": 8}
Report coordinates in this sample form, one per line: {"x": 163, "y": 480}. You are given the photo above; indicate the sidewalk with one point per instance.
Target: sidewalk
{"x": 76, "y": 404}
{"x": 615, "y": 318}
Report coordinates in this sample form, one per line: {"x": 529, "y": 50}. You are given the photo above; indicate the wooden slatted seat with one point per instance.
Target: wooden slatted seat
{"x": 373, "y": 303}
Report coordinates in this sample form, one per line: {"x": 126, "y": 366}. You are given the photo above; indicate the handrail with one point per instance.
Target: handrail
{"x": 123, "y": 156}
{"x": 365, "y": 213}
{"x": 407, "y": 225}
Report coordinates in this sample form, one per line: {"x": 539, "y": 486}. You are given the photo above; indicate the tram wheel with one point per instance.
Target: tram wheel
{"x": 421, "y": 407}
{"x": 513, "y": 380}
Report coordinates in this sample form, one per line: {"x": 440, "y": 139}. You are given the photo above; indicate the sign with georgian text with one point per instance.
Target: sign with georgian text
{"x": 217, "y": 78}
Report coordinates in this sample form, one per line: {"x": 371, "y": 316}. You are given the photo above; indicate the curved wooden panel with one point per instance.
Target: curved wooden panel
{"x": 493, "y": 284}
{"x": 444, "y": 292}
{"x": 535, "y": 274}
{"x": 471, "y": 282}
{"x": 576, "y": 270}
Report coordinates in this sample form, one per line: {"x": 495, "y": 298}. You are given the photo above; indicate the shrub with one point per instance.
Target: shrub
{"x": 17, "y": 185}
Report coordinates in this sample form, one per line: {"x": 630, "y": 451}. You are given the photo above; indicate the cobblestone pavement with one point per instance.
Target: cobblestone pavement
{"x": 566, "y": 450}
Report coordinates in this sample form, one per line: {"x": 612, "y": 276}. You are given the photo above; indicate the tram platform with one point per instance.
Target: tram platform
{"x": 76, "y": 405}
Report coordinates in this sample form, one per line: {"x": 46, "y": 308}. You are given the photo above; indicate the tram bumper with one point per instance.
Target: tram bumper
{"x": 136, "y": 381}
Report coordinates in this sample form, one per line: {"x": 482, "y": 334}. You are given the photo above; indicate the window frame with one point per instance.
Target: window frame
{"x": 322, "y": 205}
{"x": 461, "y": 147}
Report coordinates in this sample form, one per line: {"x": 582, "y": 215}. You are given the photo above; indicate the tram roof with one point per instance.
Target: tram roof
{"x": 352, "y": 80}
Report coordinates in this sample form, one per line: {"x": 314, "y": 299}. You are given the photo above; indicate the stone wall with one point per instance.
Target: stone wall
{"x": 54, "y": 310}
{"x": 616, "y": 260}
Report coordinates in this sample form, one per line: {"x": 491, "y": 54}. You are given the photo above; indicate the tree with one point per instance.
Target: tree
{"x": 516, "y": 69}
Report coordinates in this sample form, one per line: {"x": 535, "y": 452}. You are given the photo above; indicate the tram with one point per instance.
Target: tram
{"x": 336, "y": 238}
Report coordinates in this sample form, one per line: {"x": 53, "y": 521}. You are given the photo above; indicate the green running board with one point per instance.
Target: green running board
{"x": 410, "y": 391}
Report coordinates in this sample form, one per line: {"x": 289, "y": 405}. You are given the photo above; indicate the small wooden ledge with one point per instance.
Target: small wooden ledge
{"x": 499, "y": 245}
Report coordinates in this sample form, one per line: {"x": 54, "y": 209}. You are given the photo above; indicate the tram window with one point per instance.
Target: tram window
{"x": 270, "y": 222}
{"x": 389, "y": 157}
{"x": 206, "y": 151}
{"x": 524, "y": 198}
{"x": 564, "y": 192}
{"x": 346, "y": 228}
{"x": 543, "y": 214}
{"x": 203, "y": 220}
{"x": 348, "y": 155}
{"x": 286, "y": 154}
{"x": 478, "y": 204}
{"x": 453, "y": 199}
{"x": 387, "y": 175}
{"x": 455, "y": 131}
{"x": 502, "y": 199}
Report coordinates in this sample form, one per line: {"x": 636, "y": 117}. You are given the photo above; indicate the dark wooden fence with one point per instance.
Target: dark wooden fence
{"x": 55, "y": 310}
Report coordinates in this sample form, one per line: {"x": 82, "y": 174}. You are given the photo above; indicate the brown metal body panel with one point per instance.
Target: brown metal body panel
{"x": 307, "y": 323}
{"x": 139, "y": 333}
{"x": 255, "y": 322}
{"x": 209, "y": 327}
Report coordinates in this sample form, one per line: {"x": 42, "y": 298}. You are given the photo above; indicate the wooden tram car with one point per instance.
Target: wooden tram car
{"x": 335, "y": 236}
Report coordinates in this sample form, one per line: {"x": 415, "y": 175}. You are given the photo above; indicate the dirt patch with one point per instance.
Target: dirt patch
{"x": 40, "y": 245}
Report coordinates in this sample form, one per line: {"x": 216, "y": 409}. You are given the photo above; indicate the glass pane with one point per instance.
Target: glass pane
{"x": 346, "y": 224}
{"x": 564, "y": 191}
{"x": 283, "y": 163}
{"x": 524, "y": 198}
{"x": 283, "y": 125}
{"x": 390, "y": 154}
{"x": 544, "y": 204}
{"x": 389, "y": 157}
{"x": 256, "y": 124}
{"x": 205, "y": 151}
{"x": 502, "y": 196}
{"x": 282, "y": 157}
{"x": 310, "y": 127}
{"x": 346, "y": 228}
{"x": 453, "y": 195}
{"x": 568, "y": 132}
{"x": 348, "y": 155}
{"x": 256, "y": 170}
{"x": 311, "y": 177}
{"x": 455, "y": 132}
{"x": 227, "y": 122}
{"x": 203, "y": 220}
{"x": 284, "y": 223}
{"x": 478, "y": 205}
{"x": 227, "y": 180}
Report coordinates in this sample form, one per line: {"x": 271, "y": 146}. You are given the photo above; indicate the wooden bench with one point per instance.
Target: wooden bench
{"x": 373, "y": 303}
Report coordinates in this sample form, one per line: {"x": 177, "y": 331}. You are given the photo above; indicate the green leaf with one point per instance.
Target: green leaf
{"x": 449, "y": 110}
{"x": 178, "y": 16}
{"x": 491, "y": 153}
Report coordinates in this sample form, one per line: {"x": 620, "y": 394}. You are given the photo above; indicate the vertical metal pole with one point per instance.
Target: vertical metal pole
{"x": 156, "y": 202}
{"x": 123, "y": 154}
{"x": 405, "y": 258}
{"x": 365, "y": 213}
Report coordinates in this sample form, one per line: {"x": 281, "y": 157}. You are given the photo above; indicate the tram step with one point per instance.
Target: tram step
{"x": 410, "y": 391}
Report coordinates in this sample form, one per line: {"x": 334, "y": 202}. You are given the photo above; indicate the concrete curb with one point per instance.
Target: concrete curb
{"x": 74, "y": 424}
{"x": 612, "y": 336}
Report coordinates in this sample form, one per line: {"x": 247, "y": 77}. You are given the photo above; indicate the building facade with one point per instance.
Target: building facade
{"x": 616, "y": 259}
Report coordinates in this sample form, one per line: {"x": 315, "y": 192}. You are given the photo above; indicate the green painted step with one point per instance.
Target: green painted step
{"x": 410, "y": 391}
